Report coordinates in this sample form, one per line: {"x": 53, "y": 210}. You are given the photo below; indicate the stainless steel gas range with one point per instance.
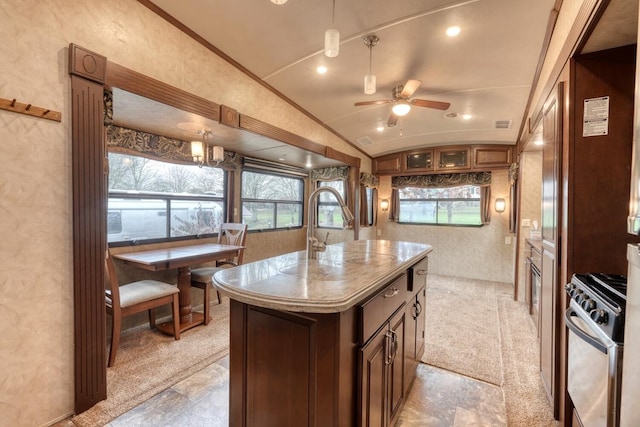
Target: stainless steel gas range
{"x": 595, "y": 319}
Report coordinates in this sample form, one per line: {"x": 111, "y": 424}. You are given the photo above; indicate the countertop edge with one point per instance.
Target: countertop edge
{"x": 330, "y": 306}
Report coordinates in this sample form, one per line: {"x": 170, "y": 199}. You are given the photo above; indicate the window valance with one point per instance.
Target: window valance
{"x": 334, "y": 173}
{"x": 369, "y": 180}
{"x": 442, "y": 180}
{"x": 134, "y": 142}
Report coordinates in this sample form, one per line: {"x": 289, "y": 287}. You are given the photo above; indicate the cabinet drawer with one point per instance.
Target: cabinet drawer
{"x": 377, "y": 310}
{"x": 418, "y": 275}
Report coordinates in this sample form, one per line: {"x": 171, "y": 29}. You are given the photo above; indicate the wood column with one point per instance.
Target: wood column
{"x": 87, "y": 71}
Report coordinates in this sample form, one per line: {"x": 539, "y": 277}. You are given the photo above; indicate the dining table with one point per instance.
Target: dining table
{"x": 181, "y": 258}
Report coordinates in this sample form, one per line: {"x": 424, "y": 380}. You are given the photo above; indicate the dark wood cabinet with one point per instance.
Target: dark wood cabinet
{"x": 418, "y": 161}
{"x": 492, "y": 156}
{"x": 550, "y": 310}
{"x": 328, "y": 369}
{"x": 443, "y": 159}
{"x": 453, "y": 158}
{"x": 382, "y": 365}
{"x": 415, "y": 324}
{"x": 389, "y": 164}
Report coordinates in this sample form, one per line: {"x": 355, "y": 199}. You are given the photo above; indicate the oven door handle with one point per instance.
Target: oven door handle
{"x": 580, "y": 333}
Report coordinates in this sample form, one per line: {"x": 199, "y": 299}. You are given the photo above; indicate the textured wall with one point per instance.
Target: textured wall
{"x": 36, "y": 285}
{"x": 472, "y": 252}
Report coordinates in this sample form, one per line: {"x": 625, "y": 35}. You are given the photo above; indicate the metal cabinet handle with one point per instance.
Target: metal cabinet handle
{"x": 394, "y": 292}
{"x": 392, "y": 347}
{"x": 421, "y": 272}
{"x": 418, "y": 308}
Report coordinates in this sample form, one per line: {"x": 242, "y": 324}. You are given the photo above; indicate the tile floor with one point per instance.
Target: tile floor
{"x": 437, "y": 398}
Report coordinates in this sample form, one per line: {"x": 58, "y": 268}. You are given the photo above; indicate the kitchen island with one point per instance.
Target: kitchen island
{"x": 332, "y": 341}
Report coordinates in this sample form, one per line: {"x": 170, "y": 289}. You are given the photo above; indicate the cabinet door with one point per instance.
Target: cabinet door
{"x": 388, "y": 164}
{"x": 418, "y": 161}
{"x": 421, "y": 299}
{"x": 453, "y": 158}
{"x": 492, "y": 157}
{"x": 396, "y": 342}
{"x": 410, "y": 363}
{"x": 373, "y": 393}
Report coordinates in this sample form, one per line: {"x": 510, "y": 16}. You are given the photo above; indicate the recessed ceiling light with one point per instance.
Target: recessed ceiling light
{"x": 466, "y": 116}
{"x": 538, "y": 141}
{"x": 380, "y": 128}
{"x": 321, "y": 69}
{"x": 453, "y": 31}
{"x": 278, "y": 2}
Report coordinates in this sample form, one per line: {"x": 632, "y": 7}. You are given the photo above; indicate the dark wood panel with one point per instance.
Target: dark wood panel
{"x": 265, "y": 129}
{"x": 388, "y": 164}
{"x": 309, "y": 361}
{"x": 600, "y": 166}
{"x": 373, "y": 399}
{"x": 89, "y": 227}
{"x": 332, "y": 153}
{"x": 281, "y": 355}
{"x": 134, "y": 82}
{"x": 492, "y": 156}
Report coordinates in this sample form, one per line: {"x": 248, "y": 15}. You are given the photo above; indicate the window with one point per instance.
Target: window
{"x": 271, "y": 201}
{"x": 152, "y": 201}
{"x": 442, "y": 206}
{"x": 369, "y": 201}
{"x": 329, "y": 212}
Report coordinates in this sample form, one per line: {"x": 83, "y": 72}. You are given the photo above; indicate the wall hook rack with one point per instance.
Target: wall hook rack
{"x": 30, "y": 110}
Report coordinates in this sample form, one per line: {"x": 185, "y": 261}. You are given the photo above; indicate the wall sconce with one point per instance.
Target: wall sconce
{"x": 500, "y": 205}
{"x": 384, "y": 205}
{"x": 200, "y": 151}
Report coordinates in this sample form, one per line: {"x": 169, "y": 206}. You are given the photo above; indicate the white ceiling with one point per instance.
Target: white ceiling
{"x": 486, "y": 71}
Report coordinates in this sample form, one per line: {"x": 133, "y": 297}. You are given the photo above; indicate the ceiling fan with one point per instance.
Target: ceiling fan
{"x": 401, "y": 98}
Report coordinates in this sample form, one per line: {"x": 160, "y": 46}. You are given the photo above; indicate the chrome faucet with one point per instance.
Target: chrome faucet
{"x": 313, "y": 245}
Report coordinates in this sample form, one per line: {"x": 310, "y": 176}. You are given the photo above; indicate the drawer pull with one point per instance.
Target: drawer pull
{"x": 391, "y": 293}
{"x": 421, "y": 272}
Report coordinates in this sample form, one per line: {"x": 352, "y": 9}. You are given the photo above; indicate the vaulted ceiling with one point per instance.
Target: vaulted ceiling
{"x": 485, "y": 72}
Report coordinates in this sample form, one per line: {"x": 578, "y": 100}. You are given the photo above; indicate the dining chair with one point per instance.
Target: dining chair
{"x": 125, "y": 300}
{"x": 230, "y": 233}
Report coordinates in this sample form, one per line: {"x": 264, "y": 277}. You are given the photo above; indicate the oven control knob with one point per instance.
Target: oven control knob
{"x": 600, "y": 316}
{"x": 588, "y": 304}
{"x": 578, "y": 295}
{"x": 569, "y": 287}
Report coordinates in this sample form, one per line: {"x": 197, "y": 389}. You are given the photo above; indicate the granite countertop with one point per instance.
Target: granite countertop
{"x": 338, "y": 279}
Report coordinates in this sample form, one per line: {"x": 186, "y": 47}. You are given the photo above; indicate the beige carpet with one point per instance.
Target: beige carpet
{"x": 149, "y": 362}
{"x": 476, "y": 329}
{"x": 525, "y": 399}
{"x": 462, "y": 331}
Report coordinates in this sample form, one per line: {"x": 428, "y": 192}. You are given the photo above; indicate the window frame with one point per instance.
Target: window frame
{"x": 438, "y": 201}
{"x": 300, "y": 202}
{"x": 333, "y": 202}
{"x": 167, "y": 198}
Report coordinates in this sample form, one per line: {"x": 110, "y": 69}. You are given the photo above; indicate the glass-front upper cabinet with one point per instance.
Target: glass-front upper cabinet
{"x": 453, "y": 158}
{"x": 418, "y": 161}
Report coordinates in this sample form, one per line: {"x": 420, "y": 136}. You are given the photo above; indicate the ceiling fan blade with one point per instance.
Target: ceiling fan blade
{"x": 430, "y": 104}
{"x": 393, "y": 120}
{"x": 410, "y": 87}
{"x": 379, "y": 102}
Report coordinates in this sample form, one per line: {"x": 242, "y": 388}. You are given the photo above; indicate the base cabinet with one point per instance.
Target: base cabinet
{"x": 327, "y": 369}
{"x": 382, "y": 365}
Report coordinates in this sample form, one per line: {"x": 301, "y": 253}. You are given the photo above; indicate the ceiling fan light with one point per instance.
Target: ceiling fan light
{"x": 401, "y": 108}
{"x": 331, "y": 43}
{"x": 370, "y": 84}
